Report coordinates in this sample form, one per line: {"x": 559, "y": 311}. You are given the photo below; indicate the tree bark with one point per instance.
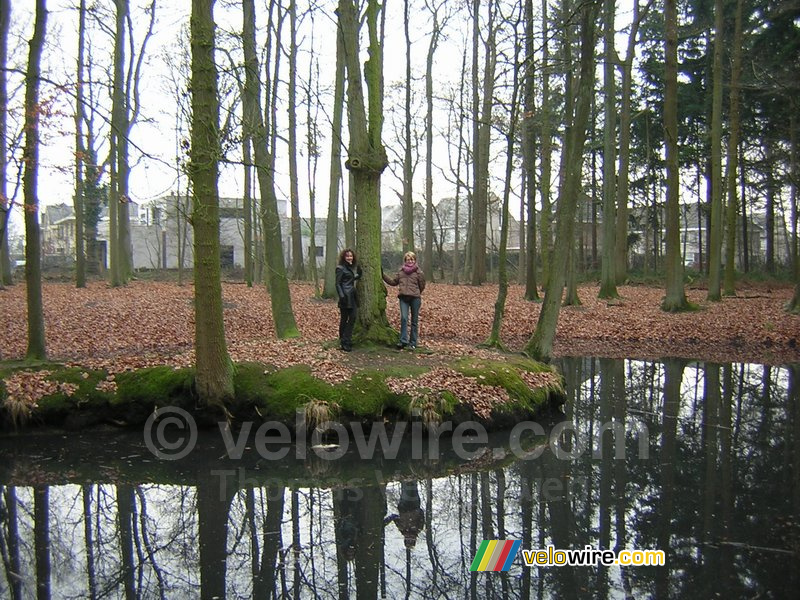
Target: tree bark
{"x": 529, "y": 153}
{"x": 33, "y": 245}
{"x": 608, "y": 277}
{"x": 298, "y": 271}
{"x": 434, "y": 41}
{"x": 408, "y": 166}
{"x": 5, "y": 204}
{"x": 715, "y": 238}
{"x": 367, "y": 160}
{"x": 214, "y": 379}
{"x": 80, "y": 153}
{"x": 545, "y": 237}
{"x": 675, "y": 299}
{"x": 332, "y": 226}
{"x": 731, "y": 208}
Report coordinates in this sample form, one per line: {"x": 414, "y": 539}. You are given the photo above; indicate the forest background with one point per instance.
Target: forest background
{"x": 552, "y": 105}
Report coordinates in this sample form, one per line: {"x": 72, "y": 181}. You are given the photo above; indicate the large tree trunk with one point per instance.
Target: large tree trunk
{"x": 608, "y": 277}
{"x": 280, "y": 299}
{"x": 30, "y": 182}
{"x": 332, "y": 226}
{"x": 367, "y": 160}
{"x": 5, "y": 205}
{"x": 731, "y": 208}
{"x": 540, "y": 346}
{"x": 675, "y": 299}
{"x": 715, "y": 238}
{"x": 214, "y": 380}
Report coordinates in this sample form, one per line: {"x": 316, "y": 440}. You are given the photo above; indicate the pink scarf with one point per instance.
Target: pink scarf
{"x": 409, "y": 269}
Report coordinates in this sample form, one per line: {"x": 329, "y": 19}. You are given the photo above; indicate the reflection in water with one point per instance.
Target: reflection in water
{"x": 717, "y": 488}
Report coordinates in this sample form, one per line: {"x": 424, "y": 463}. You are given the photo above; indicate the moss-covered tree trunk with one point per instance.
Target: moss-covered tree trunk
{"x": 675, "y": 299}
{"x": 715, "y": 238}
{"x": 367, "y": 160}
{"x": 30, "y": 184}
{"x": 214, "y": 368}
{"x": 540, "y": 346}
{"x": 277, "y": 280}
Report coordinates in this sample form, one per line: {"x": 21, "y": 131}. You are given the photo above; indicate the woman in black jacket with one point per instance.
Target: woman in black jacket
{"x": 347, "y": 273}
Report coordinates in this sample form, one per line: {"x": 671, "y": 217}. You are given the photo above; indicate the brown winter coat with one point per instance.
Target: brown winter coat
{"x": 412, "y": 284}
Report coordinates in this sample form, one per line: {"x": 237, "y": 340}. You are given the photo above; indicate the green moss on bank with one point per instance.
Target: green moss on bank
{"x": 76, "y": 398}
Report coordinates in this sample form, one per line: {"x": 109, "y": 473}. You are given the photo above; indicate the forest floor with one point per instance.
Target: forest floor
{"x": 151, "y": 323}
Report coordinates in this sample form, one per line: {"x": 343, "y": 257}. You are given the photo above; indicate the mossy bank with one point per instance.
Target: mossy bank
{"x": 496, "y": 393}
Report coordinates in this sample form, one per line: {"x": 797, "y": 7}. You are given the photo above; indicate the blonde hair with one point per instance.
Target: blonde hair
{"x": 408, "y": 255}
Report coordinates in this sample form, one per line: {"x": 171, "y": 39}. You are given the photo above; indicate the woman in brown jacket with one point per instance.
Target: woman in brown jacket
{"x": 410, "y": 282}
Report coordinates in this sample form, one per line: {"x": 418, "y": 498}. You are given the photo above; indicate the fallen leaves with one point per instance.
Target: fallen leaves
{"x": 151, "y": 323}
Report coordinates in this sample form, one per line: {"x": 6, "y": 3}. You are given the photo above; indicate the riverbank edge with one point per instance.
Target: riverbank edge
{"x": 77, "y": 399}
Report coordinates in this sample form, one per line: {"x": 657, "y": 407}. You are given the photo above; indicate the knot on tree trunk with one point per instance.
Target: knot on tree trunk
{"x": 372, "y": 163}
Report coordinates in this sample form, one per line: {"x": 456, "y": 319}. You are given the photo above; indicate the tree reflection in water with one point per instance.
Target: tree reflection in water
{"x": 718, "y": 491}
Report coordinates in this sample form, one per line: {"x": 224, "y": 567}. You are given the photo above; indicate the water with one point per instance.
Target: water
{"x": 700, "y": 461}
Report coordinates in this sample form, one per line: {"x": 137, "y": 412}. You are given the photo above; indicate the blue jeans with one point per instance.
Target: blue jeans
{"x": 413, "y": 304}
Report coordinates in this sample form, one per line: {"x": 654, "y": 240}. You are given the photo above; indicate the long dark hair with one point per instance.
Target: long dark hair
{"x": 342, "y": 261}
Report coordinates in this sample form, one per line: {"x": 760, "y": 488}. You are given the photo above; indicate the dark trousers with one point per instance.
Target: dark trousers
{"x": 347, "y": 322}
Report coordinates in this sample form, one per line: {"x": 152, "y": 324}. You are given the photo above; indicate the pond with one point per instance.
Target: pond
{"x": 699, "y": 461}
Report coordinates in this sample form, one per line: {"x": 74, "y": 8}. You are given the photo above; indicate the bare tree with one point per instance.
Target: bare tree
{"x": 214, "y": 378}
{"x": 33, "y": 245}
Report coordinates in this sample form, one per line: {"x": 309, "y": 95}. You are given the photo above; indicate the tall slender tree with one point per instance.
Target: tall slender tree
{"x": 608, "y": 278}
{"x": 529, "y": 152}
{"x": 5, "y": 204}
{"x": 734, "y": 119}
{"x": 298, "y": 271}
{"x": 214, "y": 379}
{"x": 335, "y": 176}
{"x": 80, "y": 153}
{"x": 280, "y": 298}
{"x": 408, "y": 162}
{"x": 33, "y": 245}
{"x": 715, "y": 238}
{"x": 675, "y": 299}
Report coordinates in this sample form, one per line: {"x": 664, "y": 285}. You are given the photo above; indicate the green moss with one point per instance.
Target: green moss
{"x": 506, "y": 374}
{"x": 366, "y": 394}
{"x": 287, "y": 390}
{"x": 155, "y": 386}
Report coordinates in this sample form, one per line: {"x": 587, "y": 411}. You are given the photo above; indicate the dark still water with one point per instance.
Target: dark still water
{"x": 699, "y": 461}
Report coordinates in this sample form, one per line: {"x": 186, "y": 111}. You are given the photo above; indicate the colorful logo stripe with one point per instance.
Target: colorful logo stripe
{"x": 495, "y": 555}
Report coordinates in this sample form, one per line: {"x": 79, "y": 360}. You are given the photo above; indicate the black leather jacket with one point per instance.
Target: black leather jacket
{"x": 346, "y": 277}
